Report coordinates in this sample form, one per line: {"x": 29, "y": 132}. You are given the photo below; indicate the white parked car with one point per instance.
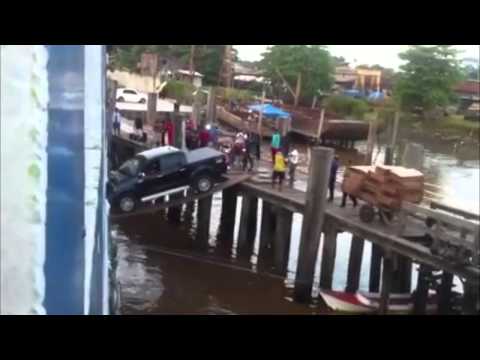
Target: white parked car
{"x": 131, "y": 95}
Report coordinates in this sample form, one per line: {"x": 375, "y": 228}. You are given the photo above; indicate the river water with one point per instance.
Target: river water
{"x": 161, "y": 272}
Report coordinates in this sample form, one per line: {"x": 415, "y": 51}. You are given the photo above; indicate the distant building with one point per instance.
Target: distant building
{"x": 345, "y": 77}
{"x": 469, "y": 89}
{"x": 185, "y": 75}
{"x": 468, "y": 93}
{"x": 246, "y": 76}
{"x": 362, "y": 79}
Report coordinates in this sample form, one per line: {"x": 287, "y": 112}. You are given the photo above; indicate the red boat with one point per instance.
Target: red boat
{"x": 364, "y": 302}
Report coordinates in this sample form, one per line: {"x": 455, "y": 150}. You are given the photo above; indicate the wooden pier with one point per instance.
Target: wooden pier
{"x": 393, "y": 246}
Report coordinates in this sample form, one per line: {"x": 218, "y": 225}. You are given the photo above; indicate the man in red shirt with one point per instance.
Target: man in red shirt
{"x": 204, "y": 137}
{"x": 170, "y": 132}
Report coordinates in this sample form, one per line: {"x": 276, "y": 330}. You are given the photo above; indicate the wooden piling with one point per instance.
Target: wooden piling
{"x": 372, "y": 134}
{"x": 281, "y": 242}
{"x": 260, "y": 117}
{"x": 470, "y": 299}
{"x": 388, "y": 156}
{"x": 413, "y": 156}
{"x": 320, "y": 125}
{"x": 329, "y": 253}
{"x": 402, "y": 275}
{"x": 227, "y": 217}
{"x": 211, "y": 107}
{"x": 151, "y": 108}
{"x": 267, "y": 230}
{"x": 179, "y": 127}
{"x": 175, "y": 212}
{"x": 375, "y": 266}
{"x": 387, "y": 273}
{"x": 204, "y": 209}
{"x": 248, "y": 225}
{"x": 355, "y": 264}
{"x": 188, "y": 213}
{"x": 445, "y": 294}
{"x": 321, "y": 159}
{"x": 421, "y": 293}
{"x": 389, "y": 152}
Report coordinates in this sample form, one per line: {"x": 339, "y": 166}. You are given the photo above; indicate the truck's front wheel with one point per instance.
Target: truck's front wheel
{"x": 127, "y": 203}
{"x": 203, "y": 183}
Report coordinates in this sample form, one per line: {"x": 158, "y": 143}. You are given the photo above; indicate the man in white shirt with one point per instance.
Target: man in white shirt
{"x": 292, "y": 165}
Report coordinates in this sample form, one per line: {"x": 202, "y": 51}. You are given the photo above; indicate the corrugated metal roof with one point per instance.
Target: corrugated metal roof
{"x": 469, "y": 86}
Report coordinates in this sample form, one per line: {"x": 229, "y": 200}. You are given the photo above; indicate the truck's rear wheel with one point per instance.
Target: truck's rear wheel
{"x": 203, "y": 183}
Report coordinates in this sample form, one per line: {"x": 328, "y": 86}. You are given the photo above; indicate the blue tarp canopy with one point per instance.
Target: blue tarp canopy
{"x": 353, "y": 93}
{"x": 269, "y": 110}
{"x": 376, "y": 96}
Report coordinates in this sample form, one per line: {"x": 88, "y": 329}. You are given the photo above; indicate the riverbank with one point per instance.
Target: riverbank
{"x": 451, "y": 127}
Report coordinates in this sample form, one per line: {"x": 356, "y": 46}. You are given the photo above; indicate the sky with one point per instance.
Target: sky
{"x": 385, "y": 55}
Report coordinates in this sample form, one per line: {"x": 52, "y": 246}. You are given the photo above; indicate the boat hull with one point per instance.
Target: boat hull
{"x": 364, "y": 303}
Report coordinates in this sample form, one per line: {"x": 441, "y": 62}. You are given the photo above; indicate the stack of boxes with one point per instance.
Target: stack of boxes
{"x": 384, "y": 186}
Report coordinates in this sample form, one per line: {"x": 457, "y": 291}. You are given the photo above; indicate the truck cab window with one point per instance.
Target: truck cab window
{"x": 130, "y": 167}
{"x": 152, "y": 168}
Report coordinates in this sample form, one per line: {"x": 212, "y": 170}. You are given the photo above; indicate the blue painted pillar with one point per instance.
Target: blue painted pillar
{"x": 65, "y": 262}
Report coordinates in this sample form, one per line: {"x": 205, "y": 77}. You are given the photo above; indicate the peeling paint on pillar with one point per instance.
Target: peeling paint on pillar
{"x": 23, "y": 119}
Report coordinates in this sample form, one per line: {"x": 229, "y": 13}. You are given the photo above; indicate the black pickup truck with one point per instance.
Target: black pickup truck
{"x": 162, "y": 171}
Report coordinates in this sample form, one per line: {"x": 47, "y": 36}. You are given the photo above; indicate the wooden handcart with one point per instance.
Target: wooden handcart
{"x": 383, "y": 188}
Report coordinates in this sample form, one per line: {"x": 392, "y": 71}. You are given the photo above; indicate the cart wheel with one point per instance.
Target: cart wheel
{"x": 367, "y": 213}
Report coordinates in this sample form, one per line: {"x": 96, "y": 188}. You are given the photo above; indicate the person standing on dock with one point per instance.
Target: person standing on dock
{"x": 254, "y": 139}
{"x": 170, "y": 131}
{"x": 248, "y": 151}
{"x": 116, "y": 122}
{"x": 344, "y": 195}
{"x": 278, "y": 170}
{"x": 286, "y": 144}
{"x": 275, "y": 145}
{"x": 333, "y": 177}
{"x": 204, "y": 136}
{"x": 214, "y": 133}
{"x": 138, "y": 128}
{"x": 292, "y": 165}
{"x": 157, "y": 129}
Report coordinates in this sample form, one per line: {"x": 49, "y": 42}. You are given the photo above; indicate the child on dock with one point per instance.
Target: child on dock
{"x": 278, "y": 170}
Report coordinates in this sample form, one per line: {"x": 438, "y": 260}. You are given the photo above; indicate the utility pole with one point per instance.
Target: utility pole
{"x": 226, "y": 70}
{"x": 192, "y": 56}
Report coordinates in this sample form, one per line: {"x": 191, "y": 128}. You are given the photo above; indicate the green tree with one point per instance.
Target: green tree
{"x": 427, "y": 78}
{"x": 208, "y": 61}
{"x": 339, "y": 61}
{"x": 308, "y": 68}
{"x": 207, "y": 58}
{"x": 471, "y": 72}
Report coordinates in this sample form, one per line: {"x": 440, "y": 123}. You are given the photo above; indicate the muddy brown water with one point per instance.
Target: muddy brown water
{"x": 161, "y": 271}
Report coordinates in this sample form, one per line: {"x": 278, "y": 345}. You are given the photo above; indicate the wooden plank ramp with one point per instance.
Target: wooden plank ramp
{"x": 230, "y": 180}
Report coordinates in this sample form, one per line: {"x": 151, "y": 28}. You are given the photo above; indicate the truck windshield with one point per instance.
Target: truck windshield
{"x": 130, "y": 167}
